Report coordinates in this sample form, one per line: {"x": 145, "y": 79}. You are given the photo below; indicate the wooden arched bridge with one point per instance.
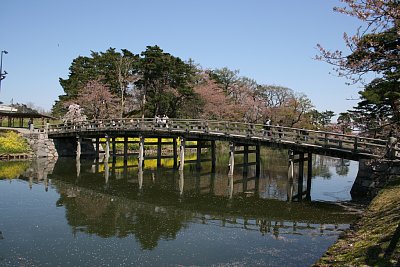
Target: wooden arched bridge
{"x": 300, "y": 140}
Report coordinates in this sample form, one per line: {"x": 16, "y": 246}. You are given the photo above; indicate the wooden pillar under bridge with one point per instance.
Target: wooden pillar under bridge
{"x": 159, "y": 151}
{"x": 309, "y": 175}
{"x": 125, "y": 149}
{"x": 141, "y": 151}
{"x": 301, "y": 176}
{"x": 107, "y": 152}
{"x": 231, "y": 157}
{"x": 198, "y": 155}
{"x": 97, "y": 147}
{"x": 114, "y": 148}
{"x": 245, "y": 160}
{"x": 175, "y": 151}
{"x": 78, "y": 147}
{"x": 213, "y": 157}
{"x": 290, "y": 176}
{"x": 181, "y": 153}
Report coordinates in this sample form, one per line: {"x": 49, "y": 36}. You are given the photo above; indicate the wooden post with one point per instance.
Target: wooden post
{"x": 301, "y": 176}
{"x": 182, "y": 153}
{"x": 159, "y": 144}
{"x": 78, "y": 148}
{"x": 114, "y": 148}
{"x": 141, "y": 151}
{"x": 125, "y": 149}
{"x": 290, "y": 177}
{"x": 309, "y": 175}
{"x": 231, "y": 157}
{"x": 107, "y": 152}
{"x": 198, "y": 156}
{"x": 175, "y": 151}
{"x": 213, "y": 156}
{"x": 245, "y": 160}
{"x": 258, "y": 161}
{"x": 97, "y": 147}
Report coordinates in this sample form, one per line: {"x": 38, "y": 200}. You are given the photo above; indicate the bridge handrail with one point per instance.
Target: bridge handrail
{"x": 274, "y": 133}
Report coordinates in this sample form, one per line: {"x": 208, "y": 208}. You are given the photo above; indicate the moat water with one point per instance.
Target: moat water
{"x": 88, "y": 213}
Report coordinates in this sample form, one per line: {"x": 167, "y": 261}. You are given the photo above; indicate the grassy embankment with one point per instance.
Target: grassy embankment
{"x": 374, "y": 239}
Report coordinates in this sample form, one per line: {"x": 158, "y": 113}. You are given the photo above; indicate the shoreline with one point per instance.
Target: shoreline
{"x": 372, "y": 240}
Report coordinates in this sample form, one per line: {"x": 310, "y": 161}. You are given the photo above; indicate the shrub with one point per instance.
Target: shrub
{"x": 11, "y": 142}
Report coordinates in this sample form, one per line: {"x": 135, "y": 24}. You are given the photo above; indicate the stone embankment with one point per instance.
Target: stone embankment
{"x": 42, "y": 146}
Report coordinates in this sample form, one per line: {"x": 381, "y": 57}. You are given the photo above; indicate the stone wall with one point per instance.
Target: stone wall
{"x": 42, "y": 146}
{"x": 372, "y": 176}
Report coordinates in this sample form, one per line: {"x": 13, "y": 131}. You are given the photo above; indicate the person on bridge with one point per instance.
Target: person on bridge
{"x": 267, "y": 126}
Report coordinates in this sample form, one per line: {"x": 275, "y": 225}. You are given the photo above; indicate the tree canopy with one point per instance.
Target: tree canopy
{"x": 123, "y": 84}
{"x": 375, "y": 48}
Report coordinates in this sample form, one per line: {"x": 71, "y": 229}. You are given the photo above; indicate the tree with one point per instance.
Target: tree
{"x": 116, "y": 70}
{"x": 98, "y": 101}
{"x": 215, "y": 104}
{"x": 283, "y": 105}
{"x": 165, "y": 83}
{"x": 74, "y": 114}
{"x": 373, "y": 49}
{"x": 127, "y": 73}
{"x": 345, "y": 122}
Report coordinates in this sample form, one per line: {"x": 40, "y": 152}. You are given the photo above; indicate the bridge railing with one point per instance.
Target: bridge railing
{"x": 274, "y": 133}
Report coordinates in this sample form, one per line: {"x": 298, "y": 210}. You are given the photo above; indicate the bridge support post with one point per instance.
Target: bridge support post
{"x": 301, "y": 177}
{"x": 245, "y": 160}
{"x": 159, "y": 151}
{"x": 181, "y": 153}
{"x": 309, "y": 175}
{"x": 125, "y": 150}
{"x": 175, "y": 151}
{"x": 78, "y": 147}
{"x": 97, "y": 147}
{"x": 198, "y": 155}
{"x": 231, "y": 157}
{"x": 213, "y": 158}
{"x": 107, "y": 152}
{"x": 114, "y": 148}
{"x": 290, "y": 176}
{"x": 141, "y": 151}
{"x": 258, "y": 161}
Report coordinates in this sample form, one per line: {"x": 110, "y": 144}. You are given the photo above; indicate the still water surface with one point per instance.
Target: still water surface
{"x": 110, "y": 214}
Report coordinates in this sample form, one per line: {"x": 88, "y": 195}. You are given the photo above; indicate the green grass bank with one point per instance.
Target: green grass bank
{"x": 373, "y": 240}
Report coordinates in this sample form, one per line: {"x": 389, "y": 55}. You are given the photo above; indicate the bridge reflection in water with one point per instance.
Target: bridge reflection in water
{"x": 120, "y": 198}
{"x": 201, "y": 176}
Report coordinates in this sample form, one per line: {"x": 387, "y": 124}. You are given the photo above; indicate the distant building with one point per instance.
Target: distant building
{"x": 5, "y": 108}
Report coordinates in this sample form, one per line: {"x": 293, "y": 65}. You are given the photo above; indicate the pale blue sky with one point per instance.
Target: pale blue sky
{"x": 272, "y": 42}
